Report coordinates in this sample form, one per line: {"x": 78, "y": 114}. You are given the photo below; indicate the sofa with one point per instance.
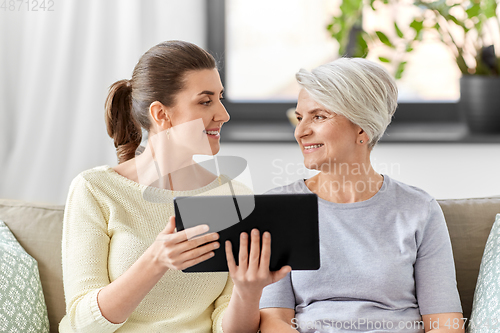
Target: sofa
{"x": 38, "y": 228}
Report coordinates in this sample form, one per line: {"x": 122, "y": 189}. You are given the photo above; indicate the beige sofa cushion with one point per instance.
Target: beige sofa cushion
{"x": 38, "y": 228}
{"x": 469, "y": 223}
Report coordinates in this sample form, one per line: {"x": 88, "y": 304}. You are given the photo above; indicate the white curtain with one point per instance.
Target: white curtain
{"x": 55, "y": 69}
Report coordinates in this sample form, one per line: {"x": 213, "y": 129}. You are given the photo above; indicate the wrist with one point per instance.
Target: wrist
{"x": 153, "y": 262}
{"x": 251, "y": 297}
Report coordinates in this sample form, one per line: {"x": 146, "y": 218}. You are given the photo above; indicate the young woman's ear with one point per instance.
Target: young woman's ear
{"x": 160, "y": 119}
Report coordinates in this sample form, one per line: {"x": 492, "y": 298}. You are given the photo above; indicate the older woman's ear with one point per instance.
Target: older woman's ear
{"x": 362, "y": 137}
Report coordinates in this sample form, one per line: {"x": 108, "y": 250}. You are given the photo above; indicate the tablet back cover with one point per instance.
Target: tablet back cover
{"x": 292, "y": 220}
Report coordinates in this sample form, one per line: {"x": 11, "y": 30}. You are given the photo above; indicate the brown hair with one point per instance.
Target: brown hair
{"x": 158, "y": 76}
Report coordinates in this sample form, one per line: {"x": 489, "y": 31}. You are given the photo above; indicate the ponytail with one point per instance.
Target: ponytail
{"x": 158, "y": 76}
{"x": 120, "y": 122}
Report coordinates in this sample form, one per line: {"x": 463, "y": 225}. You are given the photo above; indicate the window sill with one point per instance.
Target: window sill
{"x": 430, "y": 132}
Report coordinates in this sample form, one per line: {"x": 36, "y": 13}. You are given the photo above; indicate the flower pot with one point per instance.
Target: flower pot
{"x": 480, "y": 103}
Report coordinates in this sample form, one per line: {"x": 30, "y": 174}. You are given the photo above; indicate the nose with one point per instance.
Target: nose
{"x": 221, "y": 115}
{"x": 302, "y": 130}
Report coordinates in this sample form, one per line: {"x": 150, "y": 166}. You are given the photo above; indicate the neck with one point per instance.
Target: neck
{"x": 346, "y": 182}
{"x": 171, "y": 170}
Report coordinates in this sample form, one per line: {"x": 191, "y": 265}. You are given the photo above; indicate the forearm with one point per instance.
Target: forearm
{"x": 278, "y": 321}
{"x": 447, "y": 329}
{"x": 242, "y": 314}
{"x": 119, "y": 299}
{"x": 444, "y": 323}
{"x": 277, "y": 326}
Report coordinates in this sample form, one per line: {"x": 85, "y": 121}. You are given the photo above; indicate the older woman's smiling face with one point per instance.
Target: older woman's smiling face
{"x": 324, "y": 136}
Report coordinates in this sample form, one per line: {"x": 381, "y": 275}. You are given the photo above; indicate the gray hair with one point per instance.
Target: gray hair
{"x": 359, "y": 89}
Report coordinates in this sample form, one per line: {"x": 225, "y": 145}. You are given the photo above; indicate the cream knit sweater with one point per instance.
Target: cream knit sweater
{"x": 107, "y": 227}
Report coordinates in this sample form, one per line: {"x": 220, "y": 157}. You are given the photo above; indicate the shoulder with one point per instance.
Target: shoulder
{"x": 91, "y": 179}
{"x": 413, "y": 203}
{"x": 297, "y": 186}
{"x": 403, "y": 193}
{"x": 96, "y": 173}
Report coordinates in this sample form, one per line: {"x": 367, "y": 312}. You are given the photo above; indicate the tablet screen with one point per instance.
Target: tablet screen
{"x": 292, "y": 220}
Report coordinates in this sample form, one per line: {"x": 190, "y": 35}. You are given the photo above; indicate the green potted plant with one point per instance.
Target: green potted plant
{"x": 469, "y": 28}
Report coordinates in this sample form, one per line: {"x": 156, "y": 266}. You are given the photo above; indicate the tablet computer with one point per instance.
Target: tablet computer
{"x": 292, "y": 220}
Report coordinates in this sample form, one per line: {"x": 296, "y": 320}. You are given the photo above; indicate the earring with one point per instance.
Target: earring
{"x": 168, "y": 133}
{"x": 360, "y": 141}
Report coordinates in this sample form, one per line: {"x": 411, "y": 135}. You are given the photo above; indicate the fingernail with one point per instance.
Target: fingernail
{"x": 267, "y": 234}
{"x": 215, "y": 236}
{"x": 244, "y": 235}
{"x": 255, "y": 232}
{"x": 205, "y": 227}
{"x": 216, "y": 245}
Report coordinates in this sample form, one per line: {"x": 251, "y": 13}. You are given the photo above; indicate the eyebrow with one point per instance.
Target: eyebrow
{"x": 208, "y": 92}
{"x": 313, "y": 111}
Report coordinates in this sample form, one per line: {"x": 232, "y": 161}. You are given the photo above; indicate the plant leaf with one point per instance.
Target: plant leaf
{"x": 384, "y": 59}
{"x": 398, "y": 31}
{"x": 462, "y": 65}
{"x": 489, "y": 8}
{"x": 417, "y": 25}
{"x": 383, "y": 38}
{"x": 473, "y": 10}
{"x": 362, "y": 45}
{"x": 400, "y": 69}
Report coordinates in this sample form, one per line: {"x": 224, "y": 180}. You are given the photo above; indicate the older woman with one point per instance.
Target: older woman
{"x": 386, "y": 257}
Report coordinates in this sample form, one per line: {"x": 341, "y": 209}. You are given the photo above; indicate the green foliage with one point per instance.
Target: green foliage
{"x": 384, "y": 39}
{"x": 341, "y": 26}
{"x": 398, "y": 31}
{"x": 467, "y": 27}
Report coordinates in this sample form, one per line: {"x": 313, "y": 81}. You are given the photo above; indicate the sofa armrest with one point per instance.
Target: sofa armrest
{"x": 38, "y": 228}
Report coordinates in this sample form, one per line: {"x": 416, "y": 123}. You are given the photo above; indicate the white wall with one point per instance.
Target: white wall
{"x": 443, "y": 170}
{"x": 55, "y": 70}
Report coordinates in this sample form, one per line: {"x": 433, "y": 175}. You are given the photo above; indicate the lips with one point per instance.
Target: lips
{"x": 310, "y": 146}
{"x": 212, "y": 131}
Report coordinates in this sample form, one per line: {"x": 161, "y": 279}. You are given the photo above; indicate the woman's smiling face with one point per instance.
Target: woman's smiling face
{"x": 324, "y": 137}
{"x": 199, "y": 104}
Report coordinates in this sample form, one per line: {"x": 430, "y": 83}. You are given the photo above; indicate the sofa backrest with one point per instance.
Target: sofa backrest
{"x": 469, "y": 223}
{"x": 38, "y": 228}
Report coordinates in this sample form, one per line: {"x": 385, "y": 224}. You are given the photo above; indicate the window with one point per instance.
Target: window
{"x": 260, "y": 46}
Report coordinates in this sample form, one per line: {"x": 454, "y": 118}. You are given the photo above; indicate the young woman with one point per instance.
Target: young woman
{"x": 122, "y": 258}
{"x": 386, "y": 258}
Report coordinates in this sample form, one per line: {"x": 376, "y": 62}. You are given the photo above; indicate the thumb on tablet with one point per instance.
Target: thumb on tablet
{"x": 278, "y": 275}
{"x": 170, "y": 227}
